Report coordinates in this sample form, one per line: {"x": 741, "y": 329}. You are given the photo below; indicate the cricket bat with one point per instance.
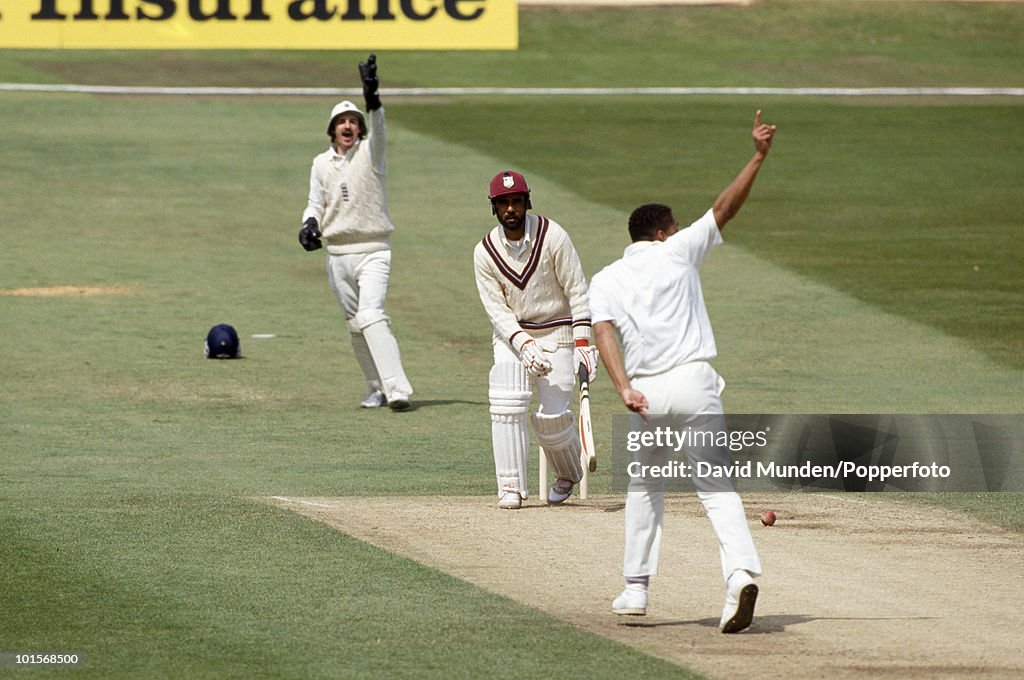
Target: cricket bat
{"x": 586, "y": 427}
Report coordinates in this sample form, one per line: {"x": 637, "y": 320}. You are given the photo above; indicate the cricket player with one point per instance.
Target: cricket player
{"x": 652, "y": 301}
{"x": 532, "y": 287}
{"x": 347, "y": 208}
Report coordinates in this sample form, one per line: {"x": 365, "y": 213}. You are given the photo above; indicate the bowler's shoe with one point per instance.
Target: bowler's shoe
{"x": 740, "y": 598}
{"x": 632, "y": 601}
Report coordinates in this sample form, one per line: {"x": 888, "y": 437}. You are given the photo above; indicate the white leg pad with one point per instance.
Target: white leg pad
{"x": 561, "y": 443}
{"x": 375, "y": 327}
{"x": 364, "y": 358}
{"x": 509, "y": 395}
{"x": 510, "y": 439}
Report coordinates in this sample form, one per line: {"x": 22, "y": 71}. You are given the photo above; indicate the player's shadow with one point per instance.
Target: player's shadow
{"x": 767, "y": 625}
{"x": 762, "y": 625}
{"x": 432, "y": 403}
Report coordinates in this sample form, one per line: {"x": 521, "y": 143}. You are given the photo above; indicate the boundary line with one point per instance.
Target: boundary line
{"x": 531, "y": 91}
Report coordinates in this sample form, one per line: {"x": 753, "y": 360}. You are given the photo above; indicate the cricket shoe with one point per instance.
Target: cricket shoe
{"x": 374, "y": 399}
{"x": 560, "y": 491}
{"x": 740, "y": 598}
{"x": 510, "y": 500}
{"x": 632, "y": 601}
{"x": 399, "y": 401}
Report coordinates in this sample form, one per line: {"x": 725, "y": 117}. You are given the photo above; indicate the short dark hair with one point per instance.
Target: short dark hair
{"x": 646, "y": 220}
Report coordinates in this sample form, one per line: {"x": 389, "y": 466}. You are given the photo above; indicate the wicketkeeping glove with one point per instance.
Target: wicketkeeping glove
{"x": 588, "y": 356}
{"x": 368, "y": 74}
{"x": 309, "y": 235}
{"x": 533, "y": 358}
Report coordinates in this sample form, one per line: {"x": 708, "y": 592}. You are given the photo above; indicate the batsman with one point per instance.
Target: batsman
{"x": 532, "y": 287}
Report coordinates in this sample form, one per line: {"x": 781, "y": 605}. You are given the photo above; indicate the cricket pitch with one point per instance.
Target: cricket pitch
{"x": 853, "y": 586}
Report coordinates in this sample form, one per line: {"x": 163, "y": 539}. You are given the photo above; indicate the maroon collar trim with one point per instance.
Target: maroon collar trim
{"x": 519, "y": 279}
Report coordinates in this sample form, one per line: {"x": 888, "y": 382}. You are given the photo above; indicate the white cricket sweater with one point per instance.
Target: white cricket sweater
{"x": 348, "y": 194}
{"x": 535, "y": 288}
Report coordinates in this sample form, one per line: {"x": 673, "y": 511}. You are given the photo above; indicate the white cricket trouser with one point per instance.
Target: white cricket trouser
{"x": 359, "y": 282}
{"x": 692, "y": 388}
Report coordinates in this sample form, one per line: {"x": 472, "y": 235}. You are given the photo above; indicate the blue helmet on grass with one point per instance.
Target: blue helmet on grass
{"x": 222, "y": 342}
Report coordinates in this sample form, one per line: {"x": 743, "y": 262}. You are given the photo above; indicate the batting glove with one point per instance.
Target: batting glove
{"x": 368, "y": 74}
{"x": 309, "y": 235}
{"x": 586, "y": 355}
{"x": 532, "y": 357}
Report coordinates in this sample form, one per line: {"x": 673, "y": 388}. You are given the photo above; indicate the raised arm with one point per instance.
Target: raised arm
{"x": 729, "y": 201}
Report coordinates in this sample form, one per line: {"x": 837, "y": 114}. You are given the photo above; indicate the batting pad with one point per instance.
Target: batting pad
{"x": 561, "y": 443}
{"x": 509, "y": 389}
{"x": 509, "y": 394}
{"x": 510, "y": 439}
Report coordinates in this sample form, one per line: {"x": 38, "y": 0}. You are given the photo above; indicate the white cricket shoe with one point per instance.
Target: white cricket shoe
{"x": 632, "y": 601}
{"x": 399, "y": 401}
{"x": 373, "y": 399}
{"x": 740, "y": 597}
{"x": 510, "y": 500}
{"x": 560, "y": 491}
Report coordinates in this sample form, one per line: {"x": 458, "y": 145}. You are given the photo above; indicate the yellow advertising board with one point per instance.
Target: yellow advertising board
{"x": 260, "y": 24}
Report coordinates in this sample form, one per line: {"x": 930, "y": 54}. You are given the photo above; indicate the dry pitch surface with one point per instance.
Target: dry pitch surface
{"x": 853, "y": 586}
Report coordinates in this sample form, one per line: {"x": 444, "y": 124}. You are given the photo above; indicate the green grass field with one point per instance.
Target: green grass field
{"x": 876, "y": 268}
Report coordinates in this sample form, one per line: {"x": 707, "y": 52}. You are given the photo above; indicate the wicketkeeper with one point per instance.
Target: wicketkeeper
{"x": 348, "y": 209}
{"x": 533, "y": 289}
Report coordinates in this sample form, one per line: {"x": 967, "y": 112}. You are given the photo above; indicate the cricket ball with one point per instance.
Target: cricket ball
{"x": 767, "y": 517}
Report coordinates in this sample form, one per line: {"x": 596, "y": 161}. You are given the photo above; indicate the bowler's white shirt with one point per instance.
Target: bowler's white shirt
{"x": 654, "y": 298}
